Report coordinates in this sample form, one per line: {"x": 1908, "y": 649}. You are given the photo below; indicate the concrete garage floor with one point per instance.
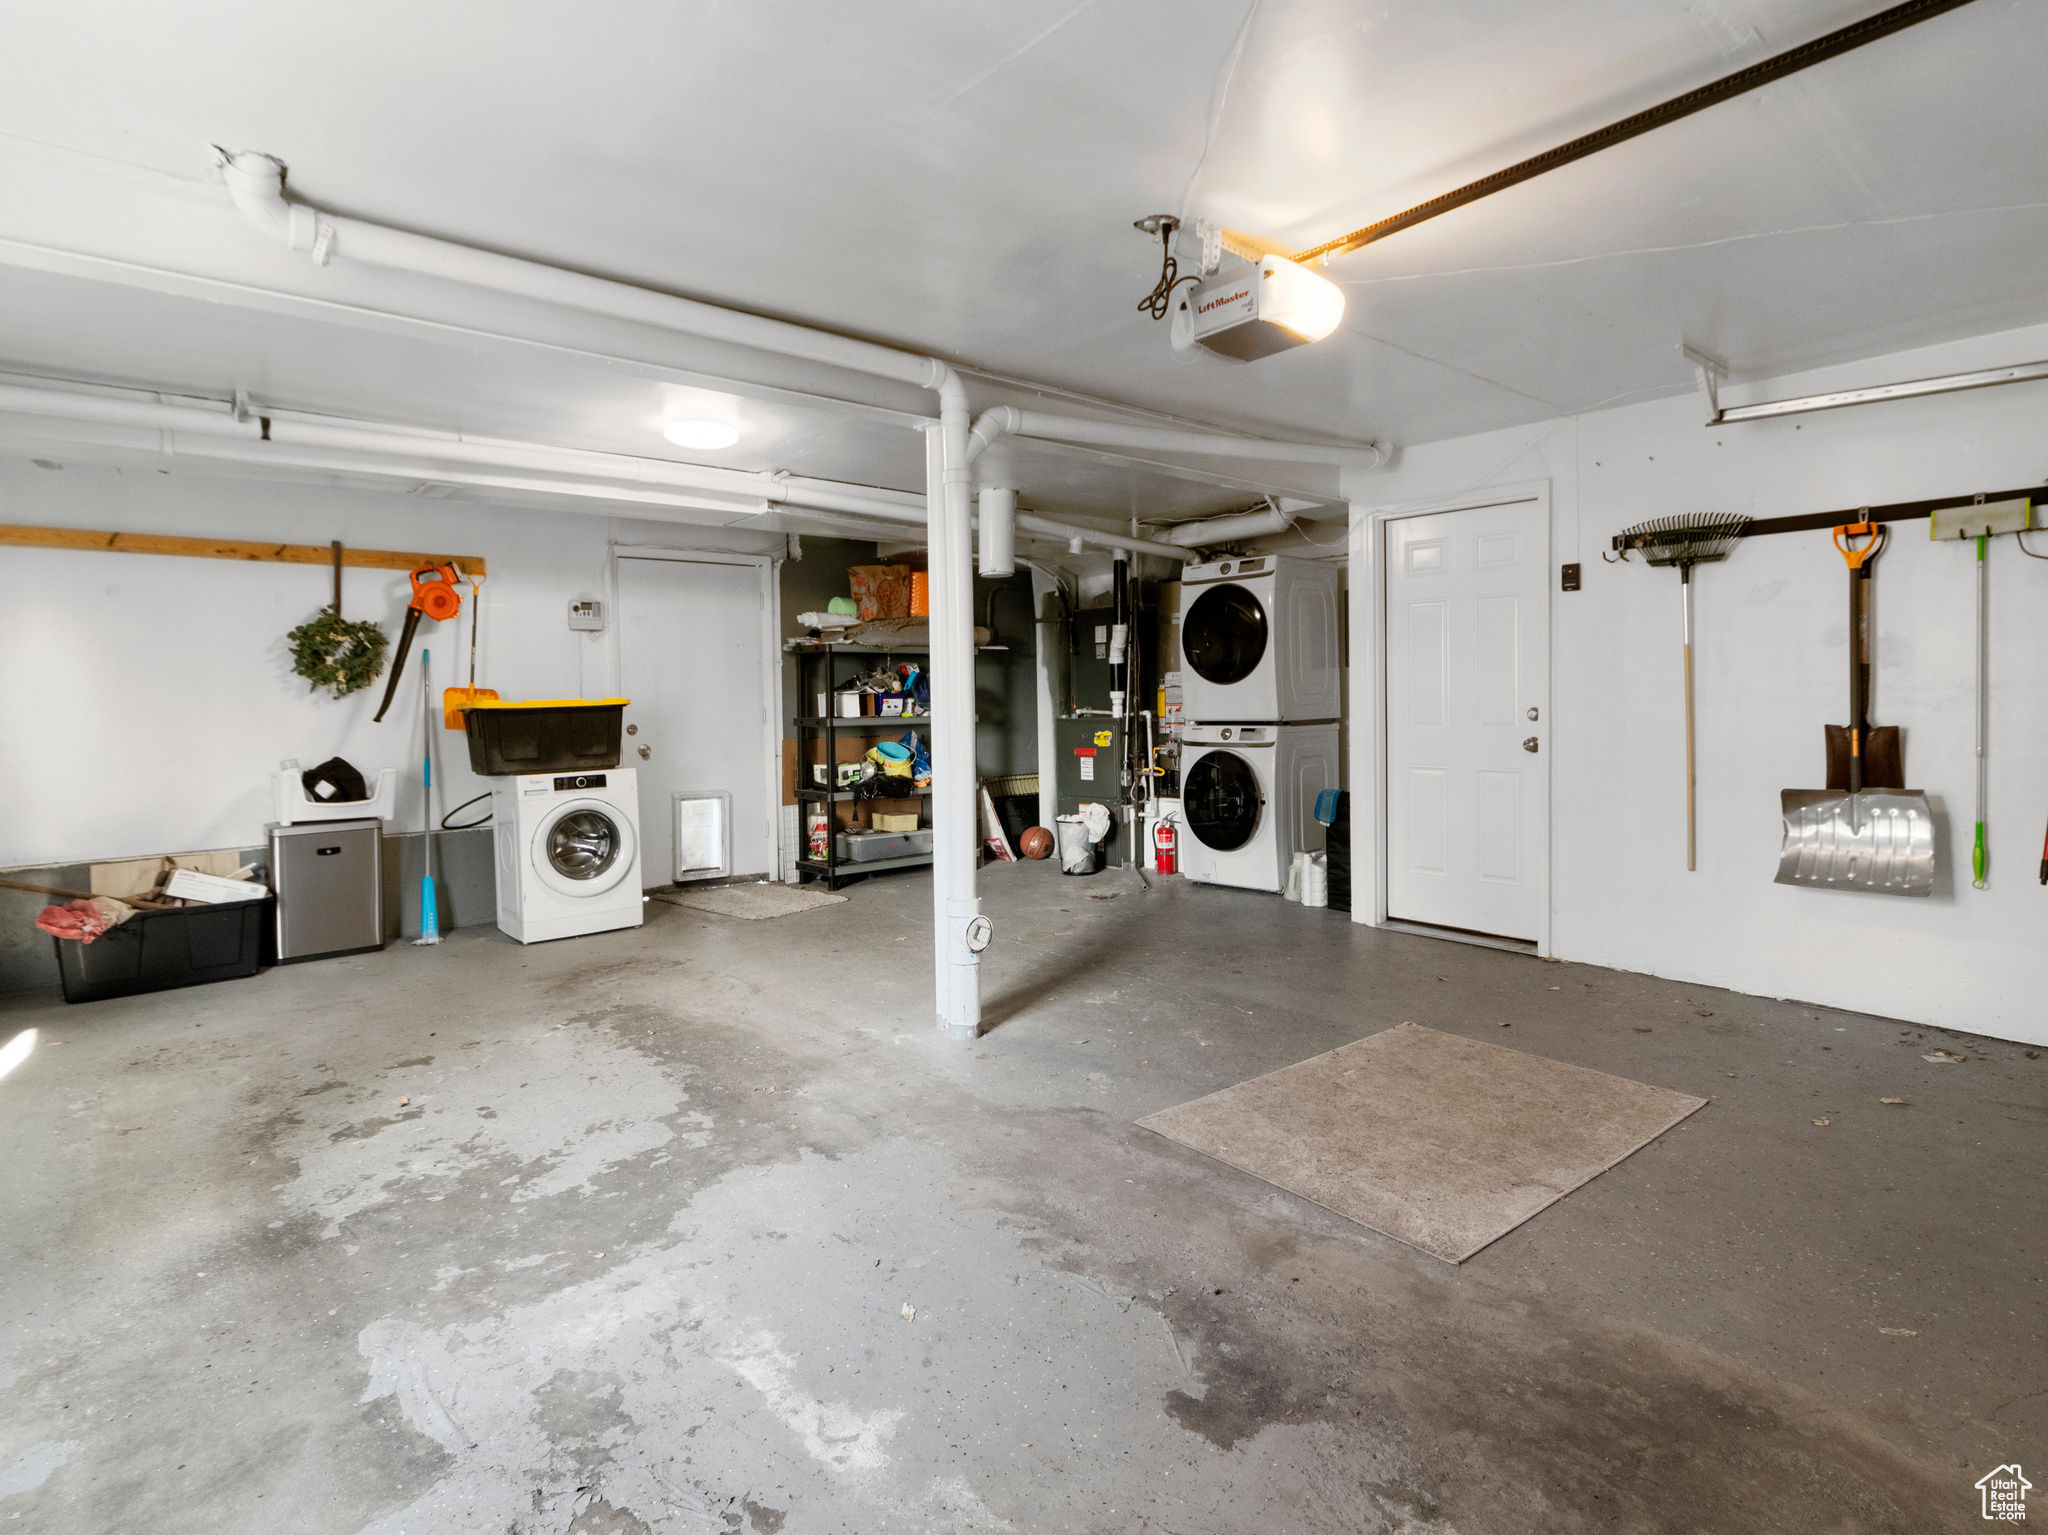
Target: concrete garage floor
{"x": 615, "y": 1235}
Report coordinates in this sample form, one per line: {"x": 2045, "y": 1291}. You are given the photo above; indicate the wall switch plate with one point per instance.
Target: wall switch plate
{"x": 587, "y": 616}
{"x": 1571, "y": 578}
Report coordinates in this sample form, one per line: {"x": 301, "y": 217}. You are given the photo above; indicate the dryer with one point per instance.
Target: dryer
{"x": 1248, "y": 800}
{"x": 1258, "y": 641}
{"x": 568, "y": 848}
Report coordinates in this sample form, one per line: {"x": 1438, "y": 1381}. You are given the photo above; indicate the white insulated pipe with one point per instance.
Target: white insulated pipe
{"x": 293, "y": 430}
{"x": 255, "y": 182}
{"x": 206, "y": 430}
{"x": 1221, "y": 530}
{"x": 998, "y": 525}
{"x": 1009, "y": 420}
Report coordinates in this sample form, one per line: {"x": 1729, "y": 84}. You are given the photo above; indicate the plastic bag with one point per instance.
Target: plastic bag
{"x": 920, "y": 756}
{"x": 880, "y": 591}
{"x": 84, "y": 920}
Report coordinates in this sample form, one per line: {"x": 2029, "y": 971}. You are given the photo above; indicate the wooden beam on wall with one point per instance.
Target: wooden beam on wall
{"x": 232, "y": 549}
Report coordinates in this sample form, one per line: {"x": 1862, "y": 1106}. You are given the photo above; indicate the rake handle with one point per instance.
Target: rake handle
{"x": 1692, "y": 860}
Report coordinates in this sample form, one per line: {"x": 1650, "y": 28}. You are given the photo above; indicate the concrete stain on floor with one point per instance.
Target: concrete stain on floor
{"x": 699, "y": 1228}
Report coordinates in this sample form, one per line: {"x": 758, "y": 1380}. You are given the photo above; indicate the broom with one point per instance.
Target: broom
{"x": 430, "y": 914}
{"x": 1693, "y": 538}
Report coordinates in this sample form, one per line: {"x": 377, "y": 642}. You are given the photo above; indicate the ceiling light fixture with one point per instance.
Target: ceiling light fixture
{"x": 703, "y": 435}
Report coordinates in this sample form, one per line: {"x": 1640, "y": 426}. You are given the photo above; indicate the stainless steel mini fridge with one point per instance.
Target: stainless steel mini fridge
{"x": 329, "y": 879}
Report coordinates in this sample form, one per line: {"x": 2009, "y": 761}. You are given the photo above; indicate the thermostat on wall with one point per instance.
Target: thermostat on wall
{"x": 587, "y": 615}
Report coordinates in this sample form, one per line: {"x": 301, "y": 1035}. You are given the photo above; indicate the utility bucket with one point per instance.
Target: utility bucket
{"x": 1880, "y": 840}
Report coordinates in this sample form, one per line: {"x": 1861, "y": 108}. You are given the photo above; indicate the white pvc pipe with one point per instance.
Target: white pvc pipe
{"x": 1008, "y": 419}
{"x": 1221, "y": 530}
{"x": 998, "y": 531}
{"x": 256, "y": 184}
{"x": 956, "y": 839}
{"x": 294, "y": 429}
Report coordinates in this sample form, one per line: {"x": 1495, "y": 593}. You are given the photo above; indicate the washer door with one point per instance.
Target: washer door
{"x": 1223, "y": 634}
{"x": 1221, "y": 802}
{"x": 583, "y": 848}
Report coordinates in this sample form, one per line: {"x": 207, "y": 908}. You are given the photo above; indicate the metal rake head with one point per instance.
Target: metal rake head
{"x": 1692, "y": 538}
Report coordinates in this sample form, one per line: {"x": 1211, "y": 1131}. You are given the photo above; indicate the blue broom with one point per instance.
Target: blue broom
{"x": 430, "y": 915}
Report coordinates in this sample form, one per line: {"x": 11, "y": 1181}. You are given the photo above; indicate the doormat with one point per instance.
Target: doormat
{"x": 756, "y": 903}
{"x": 1440, "y": 1142}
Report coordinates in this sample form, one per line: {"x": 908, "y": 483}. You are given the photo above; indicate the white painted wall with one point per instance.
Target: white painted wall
{"x": 1772, "y": 669}
{"x": 144, "y": 700}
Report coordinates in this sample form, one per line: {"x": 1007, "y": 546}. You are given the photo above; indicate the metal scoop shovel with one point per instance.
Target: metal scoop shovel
{"x": 1875, "y": 836}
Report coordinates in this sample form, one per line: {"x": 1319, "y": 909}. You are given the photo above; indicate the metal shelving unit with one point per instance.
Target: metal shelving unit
{"x": 817, "y": 672}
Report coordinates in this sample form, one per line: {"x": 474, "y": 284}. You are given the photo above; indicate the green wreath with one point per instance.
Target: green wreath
{"x": 334, "y": 652}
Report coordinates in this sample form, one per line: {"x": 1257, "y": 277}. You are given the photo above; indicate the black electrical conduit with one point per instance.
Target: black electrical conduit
{"x": 1777, "y": 67}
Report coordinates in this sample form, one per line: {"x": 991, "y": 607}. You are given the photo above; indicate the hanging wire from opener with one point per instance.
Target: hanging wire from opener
{"x": 1159, "y": 302}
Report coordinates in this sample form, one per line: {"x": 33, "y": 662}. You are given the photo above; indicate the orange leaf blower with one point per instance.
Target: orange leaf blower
{"x": 433, "y": 594}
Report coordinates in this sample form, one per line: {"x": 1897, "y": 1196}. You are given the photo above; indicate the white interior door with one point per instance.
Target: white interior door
{"x": 692, "y": 660}
{"x": 1467, "y": 647}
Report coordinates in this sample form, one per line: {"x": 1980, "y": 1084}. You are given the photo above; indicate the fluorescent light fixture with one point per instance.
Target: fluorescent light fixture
{"x": 722, "y": 434}
{"x": 1254, "y": 311}
{"x": 16, "y": 1050}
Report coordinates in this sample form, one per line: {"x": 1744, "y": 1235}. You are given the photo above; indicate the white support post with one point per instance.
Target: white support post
{"x": 1048, "y": 676}
{"x": 956, "y": 839}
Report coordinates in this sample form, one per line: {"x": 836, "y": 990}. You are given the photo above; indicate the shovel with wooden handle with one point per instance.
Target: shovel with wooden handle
{"x": 1865, "y": 831}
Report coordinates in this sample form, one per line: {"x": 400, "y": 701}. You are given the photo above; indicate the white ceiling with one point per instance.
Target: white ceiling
{"x": 960, "y": 179}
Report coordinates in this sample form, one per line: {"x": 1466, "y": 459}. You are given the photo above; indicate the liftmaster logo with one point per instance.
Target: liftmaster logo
{"x": 2005, "y": 1494}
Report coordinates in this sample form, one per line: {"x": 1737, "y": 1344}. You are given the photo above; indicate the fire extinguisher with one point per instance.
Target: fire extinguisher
{"x": 1162, "y": 845}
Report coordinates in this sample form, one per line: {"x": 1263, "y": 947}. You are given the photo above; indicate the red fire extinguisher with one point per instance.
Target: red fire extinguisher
{"x": 1162, "y": 845}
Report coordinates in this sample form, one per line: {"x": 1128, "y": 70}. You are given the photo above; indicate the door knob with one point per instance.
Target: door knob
{"x": 1527, "y": 746}
{"x": 1532, "y": 715}
{"x": 648, "y": 751}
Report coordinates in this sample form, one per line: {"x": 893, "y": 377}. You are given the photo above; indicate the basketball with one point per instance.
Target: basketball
{"x": 1035, "y": 843}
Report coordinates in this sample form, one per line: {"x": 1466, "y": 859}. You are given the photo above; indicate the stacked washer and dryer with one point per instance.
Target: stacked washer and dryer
{"x": 1261, "y": 692}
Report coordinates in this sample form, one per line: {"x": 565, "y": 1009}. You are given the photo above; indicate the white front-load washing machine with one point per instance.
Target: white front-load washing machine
{"x": 1258, "y": 641}
{"x": 1248, "y": 800}
{"x": 568, "y": 853}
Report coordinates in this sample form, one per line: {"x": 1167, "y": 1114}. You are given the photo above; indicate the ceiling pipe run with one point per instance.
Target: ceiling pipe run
{"x": 1008, "y": 420}
{"x": 285, "y": 429}
{"x": 434, "y": 455}
{"x": 1223, "y": 530}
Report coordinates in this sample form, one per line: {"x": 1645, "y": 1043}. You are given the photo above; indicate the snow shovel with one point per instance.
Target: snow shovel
{"x": 1865, "y": 831}
{"x": 456, "y": 701}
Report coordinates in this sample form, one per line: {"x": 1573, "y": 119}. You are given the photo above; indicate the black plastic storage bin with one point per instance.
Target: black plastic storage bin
{"x": 557, "y": 735}
{"x": 160, "y": 950}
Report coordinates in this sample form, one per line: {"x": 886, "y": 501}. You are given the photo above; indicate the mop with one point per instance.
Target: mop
{"x": 1983, "y": 522}
{"x": 430, "y": 914}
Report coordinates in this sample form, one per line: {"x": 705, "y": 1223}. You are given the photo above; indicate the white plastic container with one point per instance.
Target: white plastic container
{"x": 1315, "y": 880}
{"x": 291, "y": 804}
